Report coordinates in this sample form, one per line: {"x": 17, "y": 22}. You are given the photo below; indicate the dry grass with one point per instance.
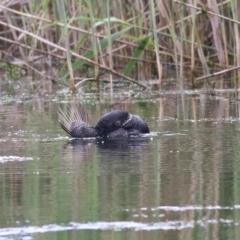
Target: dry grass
{"x": 70, "y": 39}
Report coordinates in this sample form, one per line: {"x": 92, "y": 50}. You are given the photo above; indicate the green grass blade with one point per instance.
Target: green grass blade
{"x": 156, "y": 40}
{"x": 130, "y": 65}
{"x": 65, "y": 35}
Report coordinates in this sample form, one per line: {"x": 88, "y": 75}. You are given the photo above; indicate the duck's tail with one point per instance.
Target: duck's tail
{"x": 72, "y": 114}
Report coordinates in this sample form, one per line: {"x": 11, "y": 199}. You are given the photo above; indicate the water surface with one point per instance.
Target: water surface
{"x": 179, "y": 182}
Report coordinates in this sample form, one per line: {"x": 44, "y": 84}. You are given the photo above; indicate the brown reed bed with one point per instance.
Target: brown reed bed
{"x": 66, "y": 40}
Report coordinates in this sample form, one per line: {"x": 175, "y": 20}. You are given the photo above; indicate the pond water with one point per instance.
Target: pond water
{"x": 181, "y": 181}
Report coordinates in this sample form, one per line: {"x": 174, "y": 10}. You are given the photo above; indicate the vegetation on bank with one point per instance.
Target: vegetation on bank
{"x": 72, "y": 41}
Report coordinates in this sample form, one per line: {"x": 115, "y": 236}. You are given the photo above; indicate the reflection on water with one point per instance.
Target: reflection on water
{"x": 111, "y": 149}
{"x": 179, "y": 182}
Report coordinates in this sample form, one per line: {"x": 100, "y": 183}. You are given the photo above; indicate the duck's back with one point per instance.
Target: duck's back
{"x": 111, "y": 121}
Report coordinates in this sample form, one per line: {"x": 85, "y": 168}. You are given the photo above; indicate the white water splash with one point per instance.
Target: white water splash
{"x": 4, "y": 159}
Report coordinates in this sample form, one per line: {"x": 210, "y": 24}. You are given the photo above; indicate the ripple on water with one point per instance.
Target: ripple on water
{"x": 116, "y": 226}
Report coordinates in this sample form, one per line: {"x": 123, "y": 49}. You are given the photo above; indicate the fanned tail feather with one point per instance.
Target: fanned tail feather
{"x": 72, "y": 114}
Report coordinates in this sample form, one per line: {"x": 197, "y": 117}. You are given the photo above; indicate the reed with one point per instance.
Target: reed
{"x": 67, "y": 40}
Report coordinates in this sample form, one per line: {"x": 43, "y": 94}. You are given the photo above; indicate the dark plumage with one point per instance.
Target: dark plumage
{"x": 112, "y": 121}
{"x": 118, "y": 123}
{"x": 136, "y": 125}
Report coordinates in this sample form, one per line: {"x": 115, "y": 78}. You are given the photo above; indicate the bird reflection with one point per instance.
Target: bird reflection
{"x": 109, "y": 149}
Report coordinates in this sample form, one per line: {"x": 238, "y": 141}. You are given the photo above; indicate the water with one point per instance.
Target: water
{"x": 179, "y": 182}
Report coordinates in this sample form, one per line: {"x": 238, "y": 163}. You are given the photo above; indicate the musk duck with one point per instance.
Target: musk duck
{"x": 117, "y": 123}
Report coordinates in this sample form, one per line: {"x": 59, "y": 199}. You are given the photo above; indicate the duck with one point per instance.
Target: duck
{"x": 117, "y": 123}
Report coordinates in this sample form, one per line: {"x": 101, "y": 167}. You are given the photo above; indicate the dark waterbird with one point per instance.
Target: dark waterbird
{"x": 118, "y": 123}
